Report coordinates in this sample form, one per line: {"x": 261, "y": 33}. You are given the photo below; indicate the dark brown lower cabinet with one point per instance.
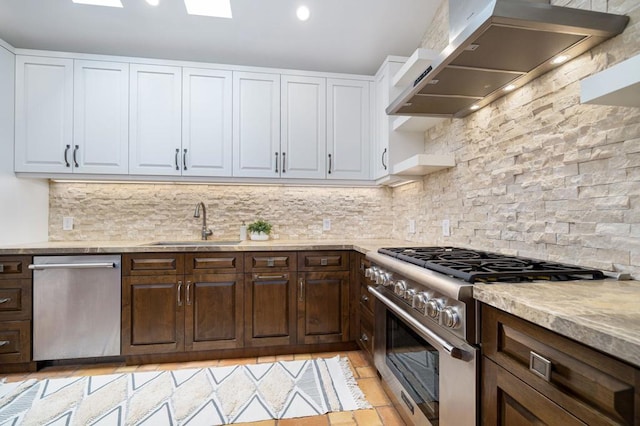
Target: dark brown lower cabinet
{"x": 531, "y": 375}
{"x": 270, "y": 309}
{"x": 323, "y": 307}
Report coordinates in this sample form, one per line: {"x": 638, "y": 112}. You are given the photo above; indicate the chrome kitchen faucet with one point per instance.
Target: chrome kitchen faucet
{"x": 205, "y": 231}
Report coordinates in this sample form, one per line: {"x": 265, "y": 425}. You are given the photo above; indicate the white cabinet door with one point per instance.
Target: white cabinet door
{"x": 206, "y": 122}
{"x": 348, "y": 133}
{"x": 155, "y": 118}
{"x": 380, "y": 157}
{"x": 303, "y": 126}
{"x": 101, "y": 117}
{"x": 256, "y": 125}
{"x": 44, "y": 115}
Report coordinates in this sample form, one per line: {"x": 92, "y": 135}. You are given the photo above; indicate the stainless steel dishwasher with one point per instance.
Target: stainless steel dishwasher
{"x": 76, "y": 306}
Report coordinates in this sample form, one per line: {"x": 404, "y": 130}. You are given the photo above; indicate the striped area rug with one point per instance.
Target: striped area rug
{"x": 191, "y": 397}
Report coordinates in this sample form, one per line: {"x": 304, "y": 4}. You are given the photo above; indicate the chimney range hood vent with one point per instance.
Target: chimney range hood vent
{"x": 503, "y": 45}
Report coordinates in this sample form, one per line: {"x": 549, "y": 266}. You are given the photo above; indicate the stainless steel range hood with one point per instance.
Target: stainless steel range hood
{"x": 500, "y": 43}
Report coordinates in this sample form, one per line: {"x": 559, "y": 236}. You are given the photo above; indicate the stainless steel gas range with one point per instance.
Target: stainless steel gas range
{"x": 426, "y": 339}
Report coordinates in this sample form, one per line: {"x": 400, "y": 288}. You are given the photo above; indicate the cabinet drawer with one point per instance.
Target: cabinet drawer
{"x": 152, "y": 264}
{"x": 363, "y": 264}
{"x": 269, "y": 261}
{"x": 213, "y": 263}
{"x": 323, "y": 261}
{"x": 12, "y": 267}
{"x": 15, "y": 341}
{"x": 365, "y": 333}
{"x": 15, "y": 300}
{"x": 366, "y": 299}
{"x": 594, "y": 387}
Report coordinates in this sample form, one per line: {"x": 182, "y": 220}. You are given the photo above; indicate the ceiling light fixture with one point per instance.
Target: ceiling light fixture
{"x": 303, "y": 13}
{"x": 559, "y": 59}
{"x": 213, "y": 8}
{"x": 108, "y": 3}
{"x": 509, "y": 87}
{"x": 474, "y": 107}
{"x": 153, "y": 2}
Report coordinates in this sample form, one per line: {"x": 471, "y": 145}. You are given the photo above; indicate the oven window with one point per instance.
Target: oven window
{"x": 415, "y": 363}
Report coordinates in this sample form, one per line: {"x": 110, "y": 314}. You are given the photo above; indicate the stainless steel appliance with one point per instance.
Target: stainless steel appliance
{"x": 76, "y": 306}
{"x": 426, "y": 344}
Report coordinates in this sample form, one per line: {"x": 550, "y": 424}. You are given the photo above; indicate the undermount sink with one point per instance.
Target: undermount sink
{"x": 193, "y": 243}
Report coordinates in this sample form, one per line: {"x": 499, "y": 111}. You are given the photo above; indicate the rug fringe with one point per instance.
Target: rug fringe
{"x": 352, "y": 383}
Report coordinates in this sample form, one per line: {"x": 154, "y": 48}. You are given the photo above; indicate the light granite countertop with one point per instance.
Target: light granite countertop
{"x": 93, "y": 247}
{"x": 602, "y": 314}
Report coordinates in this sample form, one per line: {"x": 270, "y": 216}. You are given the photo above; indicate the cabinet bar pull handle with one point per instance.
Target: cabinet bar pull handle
{"x": 177, "y": 153}
{"x": 383, "y": 163}
{"x": 75, "y": 160}
{"x": 179, "y": 293}
{"x": 330, "y": 165}
{"x": 301, "y": 282}
{"x": 364, "y": 298}
{"x": 188, "y": 292}
{"x": 276, "y": 162}
{"x": 184, "y": 159}
{"x": 5, "y": 300}
{"x": 4, "y": 342}
{"x": 97, "y": 265}
{"x": 540, "y": 366}
{"x": 66, "y": 151}
{"x": 284, "y": 162}
{"x": 364, "y": 338}
{"x": 270, "y": 277}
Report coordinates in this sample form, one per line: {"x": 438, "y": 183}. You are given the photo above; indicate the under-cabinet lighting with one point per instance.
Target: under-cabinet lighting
{"x": 474, "y": 107}
{"x": 559, "y": 59}
{"x": 108, "y": 3}
{"x": 509, "y": 87}
{"x": 303, "y": 13}
{"x": 214, "y": 8}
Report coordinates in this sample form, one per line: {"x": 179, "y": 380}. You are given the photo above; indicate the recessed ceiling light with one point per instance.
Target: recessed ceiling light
{"x": 509, "y": 87}
{"x": 108, "y": 3}
{"x": 474, "y": 107}
{"x": 303, "y": 13}
{"x": 214, "y": 8}
{"x": 559, "y": 59}
{"x": 153, "y": 2}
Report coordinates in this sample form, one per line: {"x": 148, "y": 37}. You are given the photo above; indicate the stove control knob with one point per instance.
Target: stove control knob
{"x": 377, "y": 276}
{"x": 450, "y": 317}
{"x": 433, "y": 308}
{"x": 419, "y": 301}
{"x": 368, "y": 273}
{"x": 386, "y": 279}
{"x": 409, "y": 294}
{"x": 400, "y": 287}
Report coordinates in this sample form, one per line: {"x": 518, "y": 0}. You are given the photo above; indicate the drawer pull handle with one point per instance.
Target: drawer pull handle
{"x": 4, "y": 342}
{"x": 5, "y": 300}
{"x": 179, "y": 295}
{"x": 324, "y": 261}
{"x": 188, "y": 292}
{"x": 364, "y": 298}
{"x": 364, "y": 338}
{"x": 270, "y": 277}
{"x": 540, "y": 366}
{"x": 301, "y": 295}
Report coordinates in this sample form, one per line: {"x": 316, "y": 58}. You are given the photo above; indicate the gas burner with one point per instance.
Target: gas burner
{"x": 475, "y": 265}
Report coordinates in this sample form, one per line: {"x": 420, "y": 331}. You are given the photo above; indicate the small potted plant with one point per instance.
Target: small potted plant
{"x": 259, "y": 230}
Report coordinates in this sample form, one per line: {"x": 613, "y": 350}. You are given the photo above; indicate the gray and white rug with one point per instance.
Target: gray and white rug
{"x": 193, "y": 397}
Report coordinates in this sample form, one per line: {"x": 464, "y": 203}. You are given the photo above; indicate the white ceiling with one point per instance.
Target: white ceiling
{"x": 352, "y": 36}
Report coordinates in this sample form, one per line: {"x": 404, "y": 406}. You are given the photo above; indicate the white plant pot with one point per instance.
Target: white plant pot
{"x": 260, "y": 236}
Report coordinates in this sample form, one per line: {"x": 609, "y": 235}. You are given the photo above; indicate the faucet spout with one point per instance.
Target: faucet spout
{"x": 205, "y": 231}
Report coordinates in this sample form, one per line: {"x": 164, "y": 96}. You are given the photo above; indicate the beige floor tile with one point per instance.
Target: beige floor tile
{"x": 390, "y": 416}
{"x": 201, "y": 364}
{"x": 284, "y": 357}
{"x": 306, "y": 421}
{"x": 342, "y": 418}
{"x": 358, "y": 359}
{"x": 329, "y": 354}
{"x": 302, "y": 356}
{"x": 365, "y": 372}
{"x": 367, "y": 418}
{"x": 123, "y": 369}
{"x": 237, "y": 361}
{"x": 262, "y": 423}
{"x": 265, "y": 359}
{"x": 373, "y": 392}
{"x": 149, "y": 367}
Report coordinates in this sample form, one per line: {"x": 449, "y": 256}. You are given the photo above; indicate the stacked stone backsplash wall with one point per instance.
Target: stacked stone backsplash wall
{"x": 537, "y": 173}
{"x": 135, "y": 212}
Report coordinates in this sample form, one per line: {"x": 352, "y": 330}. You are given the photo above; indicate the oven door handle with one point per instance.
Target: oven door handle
{"x": 452, "y": 350}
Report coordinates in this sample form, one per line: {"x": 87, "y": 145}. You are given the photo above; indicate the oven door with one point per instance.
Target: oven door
{"x": 432, "y": 379}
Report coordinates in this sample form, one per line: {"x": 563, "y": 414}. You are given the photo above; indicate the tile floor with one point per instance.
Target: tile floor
{"x": 382, "y": 413}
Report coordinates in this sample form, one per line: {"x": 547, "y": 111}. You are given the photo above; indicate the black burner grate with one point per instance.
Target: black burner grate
{"x": 481, "y": 266}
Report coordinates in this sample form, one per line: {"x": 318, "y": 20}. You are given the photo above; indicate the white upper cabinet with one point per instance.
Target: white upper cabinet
{"x": 304, "y": 114}
{"x": 44, "y": 115}
{"x": 101, "y": 117}
{"x": 206, "y": 122}
{"x": 155, "y": 106}
{"x": 256, "y": 125}
{"x": 348, "y": 132}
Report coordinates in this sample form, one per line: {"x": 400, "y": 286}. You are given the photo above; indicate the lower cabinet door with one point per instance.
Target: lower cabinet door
{"x": 270, "y": 307}
{"x": 323, "y": 307}
{"x": 214, "y": 311}
{"x": 152, "y": 314}
{"x": 15, "y": 341}
{"x": 508, "y": 401}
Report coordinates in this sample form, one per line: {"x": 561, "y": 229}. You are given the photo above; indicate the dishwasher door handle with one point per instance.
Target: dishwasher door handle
{"x": 99, "y": 265}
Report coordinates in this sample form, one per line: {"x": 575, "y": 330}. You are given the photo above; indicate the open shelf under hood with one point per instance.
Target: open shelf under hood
{"x": 509, "y": 42}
